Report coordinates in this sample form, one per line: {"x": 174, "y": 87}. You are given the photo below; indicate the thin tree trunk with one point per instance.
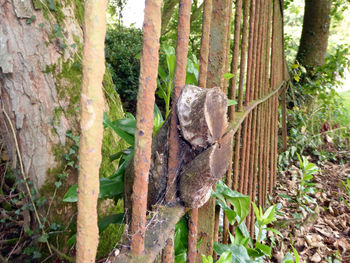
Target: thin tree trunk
{"x": 144, "y": 121}
{"x": 91, "y": 129}
{"x": 314, "y": 38}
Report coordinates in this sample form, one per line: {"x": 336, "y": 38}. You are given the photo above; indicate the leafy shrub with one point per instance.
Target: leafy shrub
{"x": 123, "y": 45}
{"x": 316, "y": 113}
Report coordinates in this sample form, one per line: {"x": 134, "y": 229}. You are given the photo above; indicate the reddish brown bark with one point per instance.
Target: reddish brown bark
{"x": 218, "y": 41}
{"x": 243, "y": 56}
{"x": 192, "y": 236}
{"x": 144, "y": 121}
{"x": 183, "y": 32}
{"x": 235, "y": 57}
{"x": 204, "y": 53}
{"x": 202, "y": 80}
{"x": 179, "y": 83}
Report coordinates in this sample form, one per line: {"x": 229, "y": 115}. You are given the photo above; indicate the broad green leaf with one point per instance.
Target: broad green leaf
{"x": 162, "y": 74}
{"x": 238, "y": 237}
{"x": 71, "y": 195}
{"x": 208, "y": 259}
{"x": 264, "y": 248}
{"x": 225, "y": 257}
{"x": 254, "y": 253}
{"x": 231, "y": 216}
{"x": 111, "y": 219}
{"x": 124, "y": 128}
{"x": 120, "y": 154}
{"x": 239, "y": 201}
{"x": 269, "y": 215}
{"x": 170, "y": 59}
{"x": 239, "y": 252}
{"x": 180, "y": 258}
{"x": 123, "y": 164}
{"x": 181, "y": 236}
{"x": 158, "y": 119}
{"x": 242, "y": 226}
{"x": 111, "y": 187}
{"x": 256, "y": 211}
{"x": 71, "y": 241}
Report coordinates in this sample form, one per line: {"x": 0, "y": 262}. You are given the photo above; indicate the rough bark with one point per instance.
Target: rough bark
{"x": 205, "y": 117}
{"x": 28, "y": 89}
{"x": 202, "y": 115}
{"x": 160, "y": 227}
{"x": 314, "y": 38}
{"x": 144, "y": 121}
{"x": 200, "y": 175}
{"x": 218, "y": 41}
{"x": 157, "y": 174}
{"x": 91, "y": 129}
{"x": 208, "y": 166}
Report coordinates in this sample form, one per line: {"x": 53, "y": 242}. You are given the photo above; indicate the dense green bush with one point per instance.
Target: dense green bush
{"x": 123, "y": 46}
{"x": 317, "y": 119}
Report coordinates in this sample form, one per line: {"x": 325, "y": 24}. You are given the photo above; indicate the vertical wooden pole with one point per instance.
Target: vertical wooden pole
{"x": 235, "y": 57}
{"x": 91, "y": 129}
{"x": 204, "y": 52}
{"x": 202, "y": 80}
{"x": 241, "y": 91}
{"x": 144, "y": 121}
{"x": 215, "y": 78}
{"x": 183, "y": 32}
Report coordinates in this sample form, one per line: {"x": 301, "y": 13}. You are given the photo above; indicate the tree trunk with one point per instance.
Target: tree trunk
{"x": 40, "y": 87}
{"x": 40, "y": 78}
{"x": 314, "y": 38}
{"x": 91, "y": 129}
{"x": 33, "y": 84}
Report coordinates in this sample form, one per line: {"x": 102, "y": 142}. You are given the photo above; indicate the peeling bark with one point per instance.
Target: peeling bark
{"x": 202, "y": 115}
{"x": 200, "y": 175}
{"x": 28, "y": 94}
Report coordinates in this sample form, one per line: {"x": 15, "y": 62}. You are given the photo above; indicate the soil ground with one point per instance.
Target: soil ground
{"x": 317, "y": 226}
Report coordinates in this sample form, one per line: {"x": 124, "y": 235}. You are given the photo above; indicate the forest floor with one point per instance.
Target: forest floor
{"x": 318, "y": 225}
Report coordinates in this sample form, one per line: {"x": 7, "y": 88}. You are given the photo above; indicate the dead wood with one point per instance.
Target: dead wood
{"x": 198, "y": 177}
{"x": 202, "y": 115}
{"x": 204, "y": 154}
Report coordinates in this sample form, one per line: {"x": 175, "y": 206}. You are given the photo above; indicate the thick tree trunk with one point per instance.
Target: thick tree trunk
{"x": 314, "y": 38}
{"x": 30, "y": 61}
